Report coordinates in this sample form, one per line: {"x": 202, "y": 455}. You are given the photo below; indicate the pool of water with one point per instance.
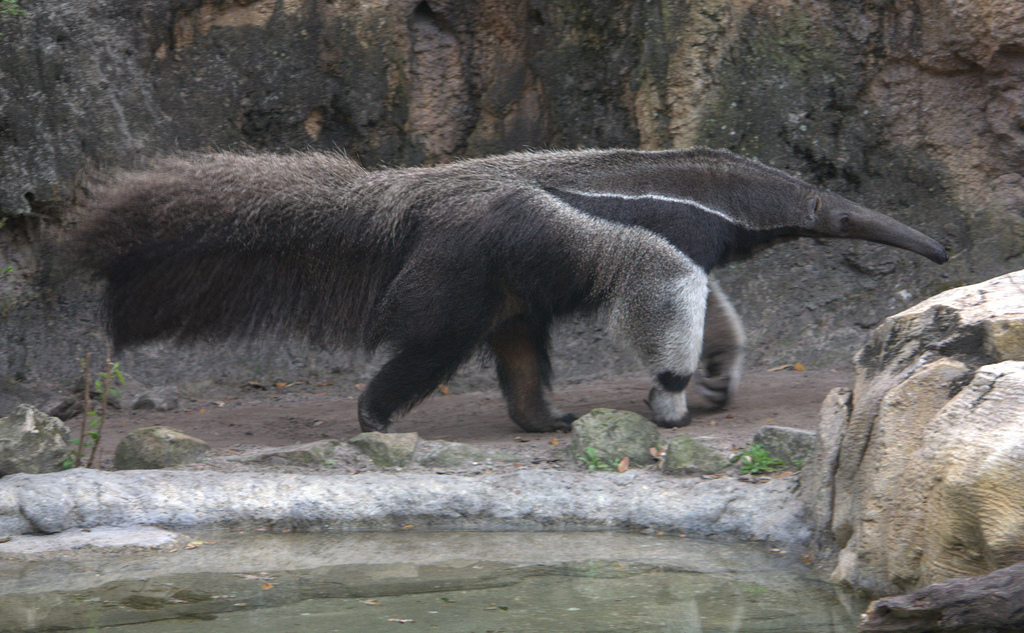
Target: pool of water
{"x": 417, "y": 581}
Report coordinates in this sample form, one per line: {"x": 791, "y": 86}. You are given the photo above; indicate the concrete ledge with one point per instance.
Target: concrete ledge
{"x": 527, "y": 500}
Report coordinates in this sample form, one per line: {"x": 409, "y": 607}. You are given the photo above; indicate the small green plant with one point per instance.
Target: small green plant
{"x": 756, "y": 460}
{"x": 10, "y": 7}
{"x": 93, "y": 419}
{"x": 592, "y": 461}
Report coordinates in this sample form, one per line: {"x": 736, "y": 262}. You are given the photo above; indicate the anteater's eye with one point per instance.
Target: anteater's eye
{"x": 844, "y": 224}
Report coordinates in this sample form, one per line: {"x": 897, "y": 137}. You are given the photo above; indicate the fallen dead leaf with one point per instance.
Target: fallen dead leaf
{"x": 554, "y": 441}
{"x": 280, "y": 384}
{"x": 360, "y": 386}
{"x": 266, "y": 586}
{"x": 623, "y": 465}
{"x": 798, "y": 367}
{"x": 659, "y": 456}
{"x": 202, "y": 411}
{"x": 780, "y": 367}
{"x": 372, "y": 603}
{"x": 195, "y": 544}
{"x": 444, "y": 390}
{"x": 324, "y": 384}
{"x": 407, "y": 526}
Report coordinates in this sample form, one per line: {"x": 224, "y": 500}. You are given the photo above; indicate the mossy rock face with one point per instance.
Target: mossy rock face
{"x": 157, "y": 447}
{"x": 614, "y": 434}
{"x": 32, "y": 442}
{"x": 685, "y": 455}
{"x": 387, "y": 450}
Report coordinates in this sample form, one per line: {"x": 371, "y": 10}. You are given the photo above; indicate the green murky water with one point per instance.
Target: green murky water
{"x": 415, "y": 581}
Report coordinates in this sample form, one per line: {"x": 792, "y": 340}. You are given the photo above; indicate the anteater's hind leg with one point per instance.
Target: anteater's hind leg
{"x": 409, "y": 377}
{"x": 524, "y": 372}
{"x": 722, "y": 354}
{"x": 437, "y": 313}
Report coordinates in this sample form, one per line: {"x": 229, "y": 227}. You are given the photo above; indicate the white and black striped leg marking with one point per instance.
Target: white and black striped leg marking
{"x": 722, "y": 357}
{"x": 719, "y": 377}
{"x": 668, "y": 400}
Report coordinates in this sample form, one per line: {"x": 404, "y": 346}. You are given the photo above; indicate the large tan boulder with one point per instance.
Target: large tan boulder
{"x": 919, "y": 475}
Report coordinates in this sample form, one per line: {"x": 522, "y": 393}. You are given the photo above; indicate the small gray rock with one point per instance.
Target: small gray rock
{"x": 63, "y": 407}
{"x": 156, "y": 447}
{"x": 792, "y": 446}
{"x": 158, "y": 399}
{"x": 442, "y": 454}
{"x": 319, "y": 453}
{"x": 387, "y": 450}
{"x": 32, "y": 442}
{"x": 615, "y": 434}
{"x": 685, "y": 455}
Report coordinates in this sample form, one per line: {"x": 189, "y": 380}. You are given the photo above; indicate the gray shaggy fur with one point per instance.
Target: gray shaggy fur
{"x": 441, "y": 262}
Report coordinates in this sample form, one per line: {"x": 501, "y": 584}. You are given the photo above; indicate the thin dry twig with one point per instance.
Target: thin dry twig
{"x": 85, "y": 411}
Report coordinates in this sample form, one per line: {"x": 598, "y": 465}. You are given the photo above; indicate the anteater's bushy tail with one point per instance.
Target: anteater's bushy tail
{"x": 222, "y": 245}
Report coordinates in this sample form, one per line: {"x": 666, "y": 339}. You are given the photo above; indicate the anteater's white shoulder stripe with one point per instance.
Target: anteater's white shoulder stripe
{"x": 662, "y": 198}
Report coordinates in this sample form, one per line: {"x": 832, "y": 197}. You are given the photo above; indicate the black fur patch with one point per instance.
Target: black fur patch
{"x": 673, "y": 382}
{"x": 707, "y": 239}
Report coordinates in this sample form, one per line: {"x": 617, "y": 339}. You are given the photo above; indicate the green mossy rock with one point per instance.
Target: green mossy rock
{"x": 615, "y": 434}
{"x": 793, "y": 446}
{"x": 320, "y": 453}
{"x": 387, "y": 450}
{"x": 157, "y": 447}
{"x": 685, "y": 455}
{"x": 32, "y": 442}
{"x": 442, "y": 454}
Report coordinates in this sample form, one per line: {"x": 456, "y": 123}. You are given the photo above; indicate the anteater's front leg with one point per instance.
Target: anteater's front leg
{"x": 524, "y": 372}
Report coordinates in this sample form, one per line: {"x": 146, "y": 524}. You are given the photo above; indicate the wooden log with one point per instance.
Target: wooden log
{"x": 979, "y": 604}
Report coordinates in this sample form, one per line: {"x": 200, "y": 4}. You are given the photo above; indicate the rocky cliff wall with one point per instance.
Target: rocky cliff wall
{"x": 910, "y": 106}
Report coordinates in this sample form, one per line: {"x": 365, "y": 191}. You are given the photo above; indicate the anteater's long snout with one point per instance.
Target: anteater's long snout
{"x": 846, "y": 219}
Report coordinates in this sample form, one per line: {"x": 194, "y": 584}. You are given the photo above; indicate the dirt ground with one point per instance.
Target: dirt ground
{"x": 241, "y": 416}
